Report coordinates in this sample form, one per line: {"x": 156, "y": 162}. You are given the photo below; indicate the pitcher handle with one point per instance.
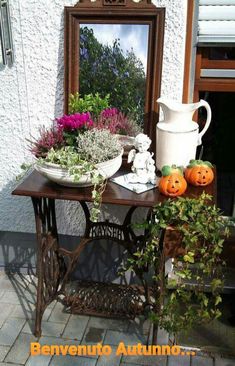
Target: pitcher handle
{"x": 203, "y": 103}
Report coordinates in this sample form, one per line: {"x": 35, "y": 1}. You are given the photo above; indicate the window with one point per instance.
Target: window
{"x": 210, "y": 75}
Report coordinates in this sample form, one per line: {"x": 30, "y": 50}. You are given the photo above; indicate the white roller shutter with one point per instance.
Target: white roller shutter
{"x": 216, "y": 21}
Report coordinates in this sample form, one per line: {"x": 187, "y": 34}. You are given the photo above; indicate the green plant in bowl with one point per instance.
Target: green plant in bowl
{"x": 75, "y": 153}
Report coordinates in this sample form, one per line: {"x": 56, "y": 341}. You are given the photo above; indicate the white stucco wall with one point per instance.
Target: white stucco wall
{"x": 31, "y": 94}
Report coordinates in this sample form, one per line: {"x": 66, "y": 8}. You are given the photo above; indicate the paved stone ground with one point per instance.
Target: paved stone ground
{"x": 17, "y": 298}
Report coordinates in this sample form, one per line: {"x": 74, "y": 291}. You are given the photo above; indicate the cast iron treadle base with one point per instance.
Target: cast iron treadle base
{"x": 105, "y": 299}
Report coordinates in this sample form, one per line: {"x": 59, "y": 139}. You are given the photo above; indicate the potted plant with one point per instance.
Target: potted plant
{"x": 73, "y": 152}
{"x": 180, "y": 302}
{"x": 84, "y": 148}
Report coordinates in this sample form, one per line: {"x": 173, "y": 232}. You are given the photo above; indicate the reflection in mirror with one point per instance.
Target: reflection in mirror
{"x": 113, "y": 60}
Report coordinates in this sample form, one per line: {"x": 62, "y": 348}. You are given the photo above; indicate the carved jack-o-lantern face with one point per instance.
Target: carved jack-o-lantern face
{"x": 172, "y": 185}
{"x": 200, "y": 175}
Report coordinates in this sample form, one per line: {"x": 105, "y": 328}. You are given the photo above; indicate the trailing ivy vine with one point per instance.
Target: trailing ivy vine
{"x": 176, "y": 304}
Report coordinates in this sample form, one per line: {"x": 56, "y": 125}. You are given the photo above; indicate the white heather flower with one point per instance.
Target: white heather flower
{"x": 97, "y": 146}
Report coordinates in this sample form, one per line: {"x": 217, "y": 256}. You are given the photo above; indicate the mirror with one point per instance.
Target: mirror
{"x": 115, "y": 47}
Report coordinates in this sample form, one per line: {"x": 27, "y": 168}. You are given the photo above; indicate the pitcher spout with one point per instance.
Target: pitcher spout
{"x": 171, "y": 104}
{"x": 175, "y": 112}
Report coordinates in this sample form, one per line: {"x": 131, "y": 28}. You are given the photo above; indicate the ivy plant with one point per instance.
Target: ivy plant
{"x": 67, "y": 157}
{"x": 181, "y": 302}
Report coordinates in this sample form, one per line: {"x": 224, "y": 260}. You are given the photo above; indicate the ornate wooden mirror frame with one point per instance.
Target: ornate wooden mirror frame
{"x": 116, "y": 12}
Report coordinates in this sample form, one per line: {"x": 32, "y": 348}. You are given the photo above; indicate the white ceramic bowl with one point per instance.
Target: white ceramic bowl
{"x": 61, "y": 176}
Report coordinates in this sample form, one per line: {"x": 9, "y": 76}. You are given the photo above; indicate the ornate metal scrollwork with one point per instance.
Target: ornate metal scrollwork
{"x": 50, "y": 263}
{"x": 53, "y": 268}
{"x": 105, "y": 299}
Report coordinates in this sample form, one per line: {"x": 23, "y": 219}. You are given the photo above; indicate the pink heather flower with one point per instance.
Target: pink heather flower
{"x": 48, "y": 139}
{"x": 116, "y": 122}
{"x": 109, "y": 112}
{"x": 75, "y": 121}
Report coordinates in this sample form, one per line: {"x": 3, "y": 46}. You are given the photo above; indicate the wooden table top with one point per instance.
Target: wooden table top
{"x": 35, "y": 185}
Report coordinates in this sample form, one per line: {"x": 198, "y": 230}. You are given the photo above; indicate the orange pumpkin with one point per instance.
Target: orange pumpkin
{"x": 172, "y": 182}
{"x": 199, "y": 173}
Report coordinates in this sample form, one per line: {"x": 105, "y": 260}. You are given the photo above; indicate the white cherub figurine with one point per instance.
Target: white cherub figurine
{"x": 143, "y": 164}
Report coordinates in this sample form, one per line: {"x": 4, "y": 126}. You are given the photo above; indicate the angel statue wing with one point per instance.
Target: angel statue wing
{"x": 131, "y": 155}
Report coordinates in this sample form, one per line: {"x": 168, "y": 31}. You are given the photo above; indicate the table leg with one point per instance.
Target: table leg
{"x": 50, "y": 264}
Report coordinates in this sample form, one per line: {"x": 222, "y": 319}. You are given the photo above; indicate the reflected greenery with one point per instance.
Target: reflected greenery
{"x": 106, "y": 69}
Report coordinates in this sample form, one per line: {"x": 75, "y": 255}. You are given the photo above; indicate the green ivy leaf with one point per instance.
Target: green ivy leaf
{"x": 188, "y": 258}
{"x": 215, "y": 284}
{"x": 218, "y": 299}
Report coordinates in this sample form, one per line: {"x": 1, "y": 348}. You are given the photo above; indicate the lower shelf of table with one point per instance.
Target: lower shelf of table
{"x": 104, "y": 299}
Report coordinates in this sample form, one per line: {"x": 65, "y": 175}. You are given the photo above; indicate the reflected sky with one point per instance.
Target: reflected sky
{"x": 131, "y": 36}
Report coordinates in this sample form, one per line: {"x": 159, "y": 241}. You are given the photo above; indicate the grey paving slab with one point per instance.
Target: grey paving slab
{"x": 75, "y": 327}
{"x": 111, "y": 324}
{"x": 5, "y": 312}
{"x": 114, "y": 338}
{"x": 93, "y": 335}
{"x": 11, "y": 284}
{"x": 18, "y": 281}
{"x": 28, "y": 312}
{"x": 201, "y": 361}
{"x": 72, "y": 361}
{"x": 139, "y": 326}
{"x": 146, "y": 360}
{"x": 9, "y": 364}
{"x": 19, "y": 352}
{"x": 52, "y": 304}
{"x": 10, "y": 330}
{"x": 55, "y": 340}
{"x": 224, "y": 361}
{"x": 58, "y": 314}
{"x": 30, "y": 293}
{"x": 162, "y": 337}
{"x": 3, "y": 352}
{"x": 1, "y": 294}
{"x": 11, "y": 297}
{"x": 48, "y": 328}
{"x": 39, "y": 360}
{"x": 112, "y": 360}
{"x": 5, "y": 283}
{"x": 178, "y": 361}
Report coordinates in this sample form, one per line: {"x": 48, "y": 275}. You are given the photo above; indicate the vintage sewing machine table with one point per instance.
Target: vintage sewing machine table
{"x": 55, "y": 264}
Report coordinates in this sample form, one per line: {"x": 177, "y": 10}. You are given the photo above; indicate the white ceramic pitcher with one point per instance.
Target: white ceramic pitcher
{"x": 178, "y": 136}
